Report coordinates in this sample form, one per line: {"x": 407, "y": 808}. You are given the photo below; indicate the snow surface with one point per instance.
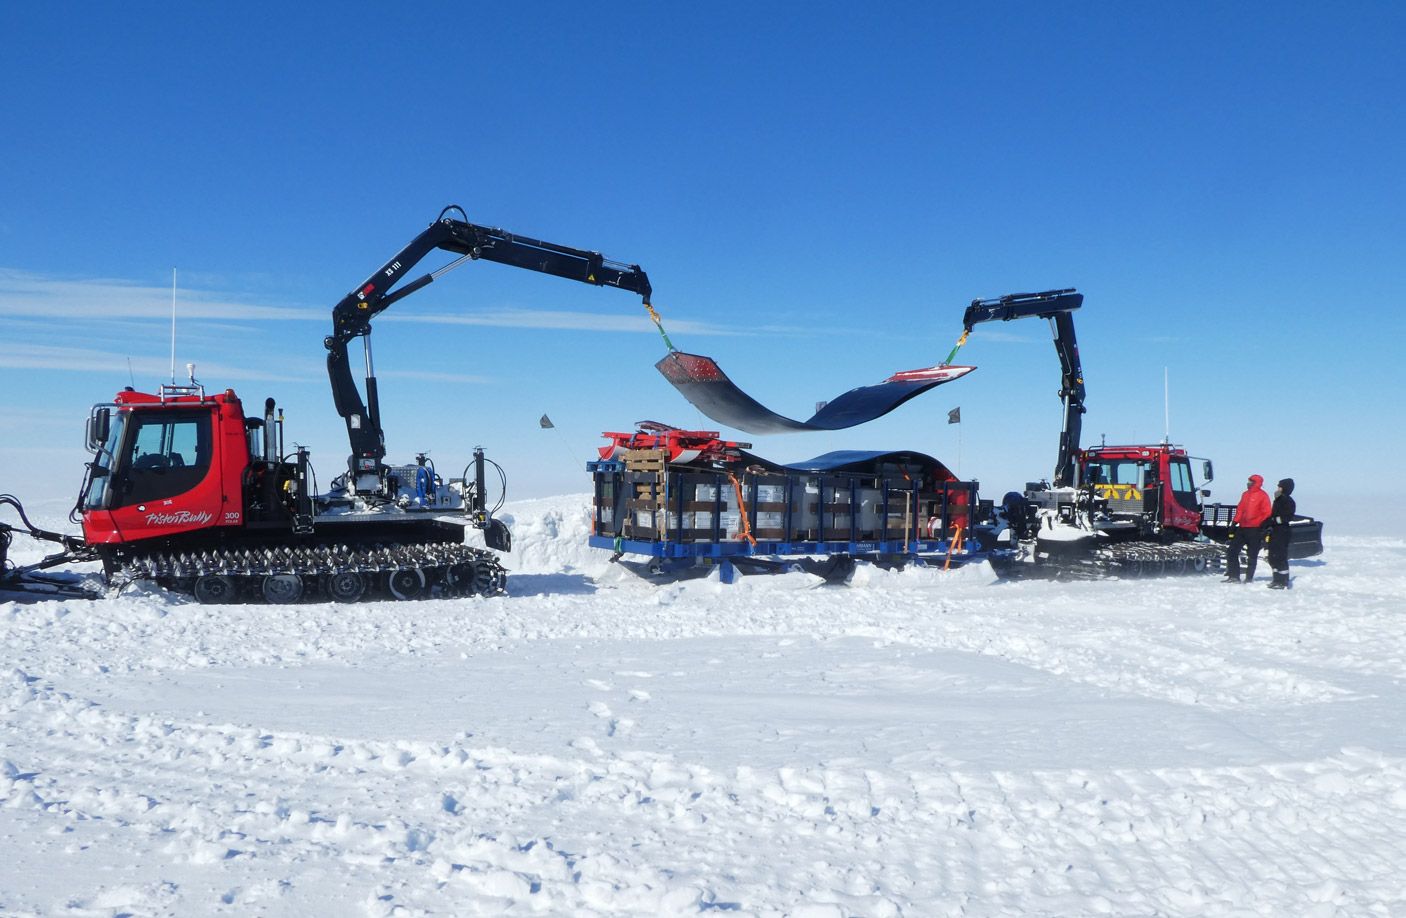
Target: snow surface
{"x": 911, "y": 744}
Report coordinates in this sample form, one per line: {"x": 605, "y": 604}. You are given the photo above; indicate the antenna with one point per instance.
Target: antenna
{"x": 173, "y": 326}
{"x": 131, "y": 375}
{"x": 1166, "y": 409}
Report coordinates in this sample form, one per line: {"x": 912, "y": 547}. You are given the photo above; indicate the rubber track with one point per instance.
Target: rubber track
{"x": 1157, "y": 553}
{"x": 248, "y": 566}
{"x": 1131, "y": 559}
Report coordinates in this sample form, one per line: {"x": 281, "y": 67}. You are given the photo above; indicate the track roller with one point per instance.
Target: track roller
{"x": 405, "y": 584}
{"x": 282, "y": 588}
{"x": 214, "y": 588}
{"x": 347, "y": 586}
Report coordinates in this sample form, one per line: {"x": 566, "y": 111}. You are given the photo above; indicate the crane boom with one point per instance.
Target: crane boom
{"x": 1057, "y": 306}
{"x": 351, "y": 317}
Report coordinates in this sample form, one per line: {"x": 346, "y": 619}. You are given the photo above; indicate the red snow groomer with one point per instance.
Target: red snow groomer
{"x": 1109, "y": 510}
{"x": 190, "y": 491}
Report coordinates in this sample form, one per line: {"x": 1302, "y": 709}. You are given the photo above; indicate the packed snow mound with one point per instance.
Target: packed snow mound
{"x": 549, "y": 536}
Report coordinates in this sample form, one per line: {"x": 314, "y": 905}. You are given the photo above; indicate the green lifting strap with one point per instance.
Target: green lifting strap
{"x": 956, "y": 347}
{"x": 659, "y": 325}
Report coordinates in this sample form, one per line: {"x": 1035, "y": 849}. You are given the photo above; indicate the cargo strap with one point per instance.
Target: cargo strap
{"x": 956, "y": 347}
{"x": 659, "y": 324}
{"x": 956, "y": 544}
{"x": 742, "y": 511}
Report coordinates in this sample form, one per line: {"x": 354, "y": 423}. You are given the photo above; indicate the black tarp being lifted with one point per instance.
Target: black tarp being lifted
{"x": 700, "y": 380}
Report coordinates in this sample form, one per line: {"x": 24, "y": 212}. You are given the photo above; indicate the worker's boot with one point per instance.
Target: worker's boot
{"x": 1280, "y": 581}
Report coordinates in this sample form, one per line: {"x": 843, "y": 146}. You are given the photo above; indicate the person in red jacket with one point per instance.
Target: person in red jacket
{"x": 1245, "y": 530}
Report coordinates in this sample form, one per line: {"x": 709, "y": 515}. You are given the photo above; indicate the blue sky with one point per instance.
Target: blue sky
{"x": 816, "y": 190}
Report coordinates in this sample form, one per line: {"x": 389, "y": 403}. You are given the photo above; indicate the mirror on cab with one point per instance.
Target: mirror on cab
{"x": 1207, "y": 473}
{"x": 99, "y": 426}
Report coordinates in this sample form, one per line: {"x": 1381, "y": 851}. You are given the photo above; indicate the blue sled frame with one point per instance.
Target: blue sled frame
{"x": 681, "y": 518}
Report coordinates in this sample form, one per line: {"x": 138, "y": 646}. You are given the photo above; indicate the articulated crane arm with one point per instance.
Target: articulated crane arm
{"x": 351, "y": 318}
{"x": 1055, "y": 305}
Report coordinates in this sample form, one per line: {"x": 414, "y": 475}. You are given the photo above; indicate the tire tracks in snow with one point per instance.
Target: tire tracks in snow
{"x": 454, "y": 827}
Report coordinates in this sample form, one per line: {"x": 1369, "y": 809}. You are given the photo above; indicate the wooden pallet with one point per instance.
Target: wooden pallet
{"x": 645, "y": 460}
{"x": 649, "y": 495}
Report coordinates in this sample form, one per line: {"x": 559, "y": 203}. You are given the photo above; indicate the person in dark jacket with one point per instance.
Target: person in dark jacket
{"x": 1245, "y": 530}
{"x": 1279, "y": 517}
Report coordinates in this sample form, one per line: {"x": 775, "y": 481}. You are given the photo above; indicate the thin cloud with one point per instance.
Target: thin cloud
{"x": 18, "y": 418}
{"x": 25, "y": 294}
{"x": 88, "y": 360}
{"x": 37, "y": 300}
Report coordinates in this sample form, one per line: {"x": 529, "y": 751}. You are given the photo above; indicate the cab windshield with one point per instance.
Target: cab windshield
{"x": 1116, "y": 472}
{"x": 100, "y": 475}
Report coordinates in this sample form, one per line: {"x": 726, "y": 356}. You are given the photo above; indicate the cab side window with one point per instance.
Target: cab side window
{"x": 1181, "y": 477}
{"x": 1182, "y": 487}
{"x": 168, "y": 453}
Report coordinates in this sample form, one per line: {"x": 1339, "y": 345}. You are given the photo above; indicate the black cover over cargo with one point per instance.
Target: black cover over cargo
{"x": 700, "y": 380}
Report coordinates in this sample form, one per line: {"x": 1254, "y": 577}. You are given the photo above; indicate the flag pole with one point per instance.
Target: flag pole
{"x": 572, "y": 456}
{"x": 955, "y": 417}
